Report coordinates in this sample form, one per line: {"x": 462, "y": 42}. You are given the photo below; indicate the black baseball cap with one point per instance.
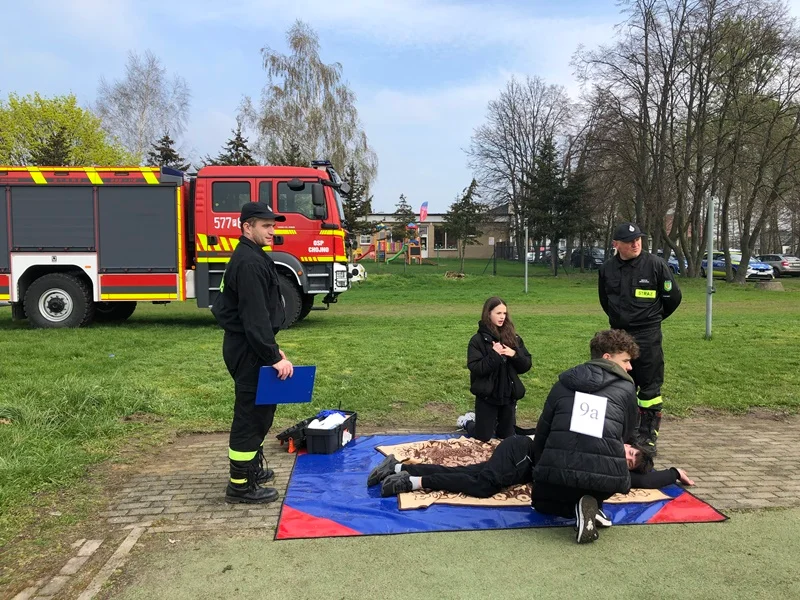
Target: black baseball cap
{"x": 627, "y": 232}
{"x": 259, "y": 210}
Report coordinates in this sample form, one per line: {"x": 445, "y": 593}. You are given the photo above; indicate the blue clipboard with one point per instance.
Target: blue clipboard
{"x": 295, "y": 389}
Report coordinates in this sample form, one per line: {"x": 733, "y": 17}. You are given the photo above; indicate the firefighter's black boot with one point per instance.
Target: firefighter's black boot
{"x": 243, "y": 486}
{"x": 649, "y": 424}
{"x": 264, "y": 474}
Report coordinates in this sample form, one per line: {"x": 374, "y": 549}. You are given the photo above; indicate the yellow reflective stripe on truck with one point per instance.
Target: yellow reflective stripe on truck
{"x": 37, "y": 176}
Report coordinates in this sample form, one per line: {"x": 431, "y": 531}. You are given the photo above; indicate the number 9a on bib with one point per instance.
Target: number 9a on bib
{"x": 588, "y": 414}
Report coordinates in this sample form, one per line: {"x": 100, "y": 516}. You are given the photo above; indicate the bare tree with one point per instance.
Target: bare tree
{"x": 697, "y": 99}
{"x": 502, "y": 152}
{"x": 146, "y": 102}
{"x": 307, "y": 109}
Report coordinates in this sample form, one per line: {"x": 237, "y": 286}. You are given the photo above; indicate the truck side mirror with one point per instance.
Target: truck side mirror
{"x": 296, "y": 185}
{"x": 319, "y": 212}
{"x": 345, "y": 188}
{"x": 317, "y": 194}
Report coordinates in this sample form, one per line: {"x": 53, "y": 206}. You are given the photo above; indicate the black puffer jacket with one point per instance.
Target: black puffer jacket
{"x": 563, "y": 457}
{"x": 494, "y": 378}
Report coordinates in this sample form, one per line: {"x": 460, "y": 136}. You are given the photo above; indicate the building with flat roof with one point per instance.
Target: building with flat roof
{"x": 434, "y": 241}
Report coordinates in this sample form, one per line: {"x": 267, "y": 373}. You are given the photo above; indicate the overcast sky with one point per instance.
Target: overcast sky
{"x": 423, "y": 70}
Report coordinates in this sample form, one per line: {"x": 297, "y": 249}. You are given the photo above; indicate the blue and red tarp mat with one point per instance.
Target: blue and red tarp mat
{"x": 327, "y": 496}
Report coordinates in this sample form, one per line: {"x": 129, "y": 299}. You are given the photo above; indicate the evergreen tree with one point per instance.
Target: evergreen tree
{"x": 236, "y": 151}
{"x": 293, "y": 156}
{"x": 545, "y": 199}
{"x": 555, "y": 205}
{"x": 463, "y": 219}
{"x": 55, "y": 151}
{"x": 579, "y": 223}
{"x": 164, "y": 155}
{"x": 357, "y": 204}
{"x": 403, "y": 215}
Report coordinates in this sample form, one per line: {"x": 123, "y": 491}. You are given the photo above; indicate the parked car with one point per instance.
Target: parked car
{"x": 673, "y": 263}
{"x": 782, "y": 265}
{"x": 675, "y": 266}
{"x": 544, "y": 257}
{"x": 755, "y": 269}
{"x": 592, "y": 258}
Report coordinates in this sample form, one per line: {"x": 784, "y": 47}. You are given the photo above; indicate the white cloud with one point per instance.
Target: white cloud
{"x": 422, "y": 23}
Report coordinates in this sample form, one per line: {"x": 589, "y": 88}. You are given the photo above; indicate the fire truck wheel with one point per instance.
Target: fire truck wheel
{"x": 59, "y": 300}
{"x": 108, "y": 312}
{"x": 308, "y": 304}
{"x": 291, "y": 300}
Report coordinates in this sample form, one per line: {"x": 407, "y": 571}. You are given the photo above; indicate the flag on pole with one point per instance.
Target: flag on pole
{"x": 423, "y": 211}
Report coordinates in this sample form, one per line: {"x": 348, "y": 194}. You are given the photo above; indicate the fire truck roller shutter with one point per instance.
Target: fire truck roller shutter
{"x": 138, "y": 229}
{"x": 47, "y": 217}
{"x": 4, "y": 255}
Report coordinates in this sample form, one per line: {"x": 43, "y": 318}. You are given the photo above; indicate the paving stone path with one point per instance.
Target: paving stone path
{"x": 738, "y": 462}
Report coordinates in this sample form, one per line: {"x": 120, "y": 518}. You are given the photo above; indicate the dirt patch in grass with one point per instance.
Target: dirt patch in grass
{"x": 439, "y": 408}
{"x": 143, "y": 417}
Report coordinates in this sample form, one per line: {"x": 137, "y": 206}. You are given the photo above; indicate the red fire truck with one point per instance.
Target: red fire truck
{"x": 87, "y": 243}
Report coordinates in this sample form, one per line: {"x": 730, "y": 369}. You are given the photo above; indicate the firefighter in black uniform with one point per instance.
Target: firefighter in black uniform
{"x": 638, "y": 291}
{"x": 250, "y": 310}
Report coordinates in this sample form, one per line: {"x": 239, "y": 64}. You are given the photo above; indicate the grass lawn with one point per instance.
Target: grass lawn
{"x": 393, "y": 349}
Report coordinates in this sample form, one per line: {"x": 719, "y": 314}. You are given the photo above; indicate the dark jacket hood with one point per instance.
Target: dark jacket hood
{"x": 484, "y": 330}
{"x": 593, "y": 376}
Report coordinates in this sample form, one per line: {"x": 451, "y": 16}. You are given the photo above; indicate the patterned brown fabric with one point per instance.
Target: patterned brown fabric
{"x": 453, "y": 452}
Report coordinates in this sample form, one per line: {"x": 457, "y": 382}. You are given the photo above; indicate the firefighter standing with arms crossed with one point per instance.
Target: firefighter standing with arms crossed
{"x": 250, "y": 310}
{"x": 637, "y": 291}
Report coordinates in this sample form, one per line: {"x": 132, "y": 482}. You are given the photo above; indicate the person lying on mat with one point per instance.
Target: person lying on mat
{"x": 513, "y": 460}
{"x": 510, "y": 461}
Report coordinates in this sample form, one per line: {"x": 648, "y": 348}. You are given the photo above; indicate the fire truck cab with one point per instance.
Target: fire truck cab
{"x": 79, "y": 244}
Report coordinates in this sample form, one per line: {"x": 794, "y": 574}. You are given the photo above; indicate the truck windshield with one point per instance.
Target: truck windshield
{"x": 339, "y": 205}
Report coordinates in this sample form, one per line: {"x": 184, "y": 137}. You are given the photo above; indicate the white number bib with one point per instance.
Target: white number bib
{"x": 588, "y": 414}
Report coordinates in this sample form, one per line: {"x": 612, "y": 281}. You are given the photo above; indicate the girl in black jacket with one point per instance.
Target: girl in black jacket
{"x": 495, "y": 357}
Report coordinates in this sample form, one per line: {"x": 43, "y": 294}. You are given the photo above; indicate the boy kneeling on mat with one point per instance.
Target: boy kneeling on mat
{"x": 574, "y": 462}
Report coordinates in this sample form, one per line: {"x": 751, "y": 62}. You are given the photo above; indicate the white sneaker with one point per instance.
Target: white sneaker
{"x": 601, "y": 519}
{"x": 461, "y": 422}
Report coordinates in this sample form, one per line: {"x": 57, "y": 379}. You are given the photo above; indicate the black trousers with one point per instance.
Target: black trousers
{"x": 510, "y": 464}
{"x": 648, "y": 369}
{"x": 493, "y": 420}
{"x": 251, "y": 422}
{"x": 560, "y": 500}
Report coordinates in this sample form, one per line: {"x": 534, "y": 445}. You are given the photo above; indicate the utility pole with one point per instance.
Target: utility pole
{"x": 709, "y": 267}
{"x": 525, "y": 258}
